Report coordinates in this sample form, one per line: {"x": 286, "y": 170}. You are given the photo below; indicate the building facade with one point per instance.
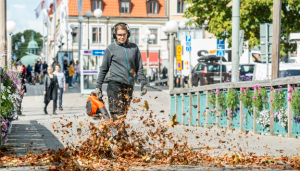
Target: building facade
{"x": 139, "y": 15}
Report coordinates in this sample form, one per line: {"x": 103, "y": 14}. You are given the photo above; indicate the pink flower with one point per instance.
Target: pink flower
{"x": 217, "y": 92}
{"x": 243, "y": 89}
{"x": 253, "y": 97}
{"x": 290, "y": 91}
{"x": 258, "y": 93}
{"x": 239, "y": 99}
{"x": 289, "y": 99}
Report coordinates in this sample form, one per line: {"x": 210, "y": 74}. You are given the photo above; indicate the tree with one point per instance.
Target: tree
{"x": 218, "y": 13}
{"x": 17, "y": 40}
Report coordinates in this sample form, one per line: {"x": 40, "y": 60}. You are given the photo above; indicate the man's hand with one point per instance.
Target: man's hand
{"x": 44, "y": 92}
{"x": 98, "y": 91}
{"x": 58, "y": 91}
{"x": 143, "y": 90}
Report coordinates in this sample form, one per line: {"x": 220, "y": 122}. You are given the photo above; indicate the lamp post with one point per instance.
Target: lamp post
{"x": 10, "y": 27}
{"x": 193, "y": 26}
{"x": 88, "y": 14}
{"x": 67, "y": 33}
{"x": 171, "y": 28}
{"x": 148, "y": 38}
{"x": 80, "y": 20}
{"x": 73, "y": 35}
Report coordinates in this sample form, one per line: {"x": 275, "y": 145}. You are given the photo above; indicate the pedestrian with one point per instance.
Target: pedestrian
{"x": 45, "y": 66}
{"x": 37, "y": 68}
{"x": 29, "y": 70}
{"x": 54, "y": 63}
{"x": 66, "y": 70}
{"x": 22, "y": 86}
{"x": 165, "y": 73}
{"x": 77, "y": 73}
{"x": 71, "y": 73}
{"x": 61, "y": 83}
{"x": 50, "y": 90}
{"x": 154, "y": 73}
{"x": 123, "y": 59}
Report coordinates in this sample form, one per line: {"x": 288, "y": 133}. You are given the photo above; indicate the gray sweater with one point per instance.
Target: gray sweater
{"x": 123, "y": 61}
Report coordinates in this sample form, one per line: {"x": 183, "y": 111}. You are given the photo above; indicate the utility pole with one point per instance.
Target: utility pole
{"x": 171, "y": 64}
{"x": 276, "y": 38}
{"x": 235, "y": 40}
{"x": 3, "y": 33}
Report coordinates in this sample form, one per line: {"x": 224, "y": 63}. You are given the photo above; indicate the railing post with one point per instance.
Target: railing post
{"x": 190, "y": 108}
{"x": 176, "y": 107}
{"x": 241, "y": 114}
{"x": 207, "y": 109}
{"x": 254, "y": 117}
{"x": 290, "y": 114}
{"x": 198, "y": 107}
{"x": 228, "y": 114}
{"x": 272, "y": 111}
{"x": 182, "y": 104}
{"x": 218, "y": 112}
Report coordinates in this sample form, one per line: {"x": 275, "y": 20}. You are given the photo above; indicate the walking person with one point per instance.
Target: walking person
{"x": 44, "y": 68}
{"x": 71, "y": 73}
{"x": 61, "y": 84}
{"x": 77, "y": 73}
{"x": 20, "y": 69}
{"x": 29, "y": 70}
{"x": 50, "y": 90}
{"x": 123, "y": 59}
{"x": 66, "y": 70}
{"x": 165, "y": 73}
{"x": 54, "y": 63}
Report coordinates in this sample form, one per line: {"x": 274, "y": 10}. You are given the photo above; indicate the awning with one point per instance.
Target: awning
{"x": 153, "y": 60}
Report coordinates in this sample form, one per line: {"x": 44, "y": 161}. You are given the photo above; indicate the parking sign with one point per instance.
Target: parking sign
{"x": 188, "y": 39}
{"x": 220, "y": 47}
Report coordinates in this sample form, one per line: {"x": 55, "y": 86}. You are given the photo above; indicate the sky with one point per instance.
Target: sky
{"x": 23, "y": 14}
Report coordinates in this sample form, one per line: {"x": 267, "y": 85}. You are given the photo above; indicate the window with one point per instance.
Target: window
{"x": 154, "y": 31}
{"x": 95, "y": 36}
{"x": 96, "y": 4}
{"x": 75, "y": 39}
{"x": 112, "y": 37}
{"x": 180, "y": 6}
{"x": 152, "y": 7}
{"x": 134, "y": 37}
{"x": 125, "y": 6}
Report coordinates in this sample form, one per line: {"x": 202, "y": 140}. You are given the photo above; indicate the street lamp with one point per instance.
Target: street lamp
{"x": 80, "y": 20}
{"x": 73, "y": 35}
{"x": 88, "y": 14}
{"x": 10, "y": 27}
{"x": 148, "y": 38}
{"x": 171, "y": 28}
{"x": 67, "y": 33}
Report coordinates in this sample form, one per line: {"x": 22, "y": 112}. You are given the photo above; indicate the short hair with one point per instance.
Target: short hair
{"x": 58, "y": 66}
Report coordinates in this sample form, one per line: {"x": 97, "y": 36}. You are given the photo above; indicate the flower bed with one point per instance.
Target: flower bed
{"x": 11, "y": 91}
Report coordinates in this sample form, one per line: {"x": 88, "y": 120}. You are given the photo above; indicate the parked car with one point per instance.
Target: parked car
{"x": 246, "y": 72}
{"x": 207, "y": 71}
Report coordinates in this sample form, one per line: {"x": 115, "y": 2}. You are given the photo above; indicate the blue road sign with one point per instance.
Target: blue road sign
{"x": 98, "y": 52}
{"x": 220, "y": 47}
{"x": 188, "y": 39}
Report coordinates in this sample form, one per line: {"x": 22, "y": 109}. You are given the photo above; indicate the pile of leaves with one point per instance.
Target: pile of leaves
{"x": 144, "y": 149}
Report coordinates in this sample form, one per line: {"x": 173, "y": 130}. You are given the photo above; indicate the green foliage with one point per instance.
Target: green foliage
{"x": 232, "y": 99}
{"x": 218, "y": 13}
{"x": 260, "y": 100}
{"x": 22, "y": 46}
{"x": 246, "y": 98}
{"x": 295, "y": 103}
{"x": 212, "y": 99}
{"x": 221, "y": 102}
{"x": 279, "y": 100}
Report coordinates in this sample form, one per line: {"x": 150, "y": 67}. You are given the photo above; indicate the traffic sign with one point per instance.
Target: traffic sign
{"x": 188, "y": 43}
{"x": 220, "y": 47}
{"x": 98, "y": 52}
{"x": 179, "y": 50}
{"x": 179, "y": 65}
{"x": 178, "y": 57}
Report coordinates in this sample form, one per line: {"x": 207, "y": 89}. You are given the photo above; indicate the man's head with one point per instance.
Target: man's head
{"x": 57, "y": 68}
{"x": 55, "y": 60}
{"x": 45, "y": 62}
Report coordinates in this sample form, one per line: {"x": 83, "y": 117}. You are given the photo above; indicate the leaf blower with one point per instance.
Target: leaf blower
{"x": 95, "y": 107}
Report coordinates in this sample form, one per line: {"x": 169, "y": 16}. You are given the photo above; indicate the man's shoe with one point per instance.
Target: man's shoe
{"x": 60, "y": 108}
{"x": 45, "y": 111}
{"x": 54, "y": 112}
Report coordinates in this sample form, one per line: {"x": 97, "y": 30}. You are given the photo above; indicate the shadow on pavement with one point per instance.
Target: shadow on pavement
{"x": 31, "y": 136}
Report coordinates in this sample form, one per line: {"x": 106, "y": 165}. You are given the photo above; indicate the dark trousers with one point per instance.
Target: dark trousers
{"x": 70, "y": 81}
{"x": 54, "y": 104}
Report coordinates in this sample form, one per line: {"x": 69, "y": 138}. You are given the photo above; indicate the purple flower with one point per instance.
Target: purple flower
{"x": 3, "y": 134}
{"x": 5, "y": 139}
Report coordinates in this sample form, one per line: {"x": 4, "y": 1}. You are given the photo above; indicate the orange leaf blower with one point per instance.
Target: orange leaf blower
{"x": 95, "y": 107}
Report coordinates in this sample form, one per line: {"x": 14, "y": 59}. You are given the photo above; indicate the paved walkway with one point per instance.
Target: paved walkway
{"x": 35, "y": 131}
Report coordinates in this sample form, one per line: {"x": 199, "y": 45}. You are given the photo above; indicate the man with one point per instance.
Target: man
{"x": 61, "y": 83}
{"x": 165, "y": 72}
{"x": 66, "y": 70}
{"x": 37, "y": 69}
{"x": 54, "y": 63}
{"x": 77, "y": 73}
{"x": 44, "y": 67}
